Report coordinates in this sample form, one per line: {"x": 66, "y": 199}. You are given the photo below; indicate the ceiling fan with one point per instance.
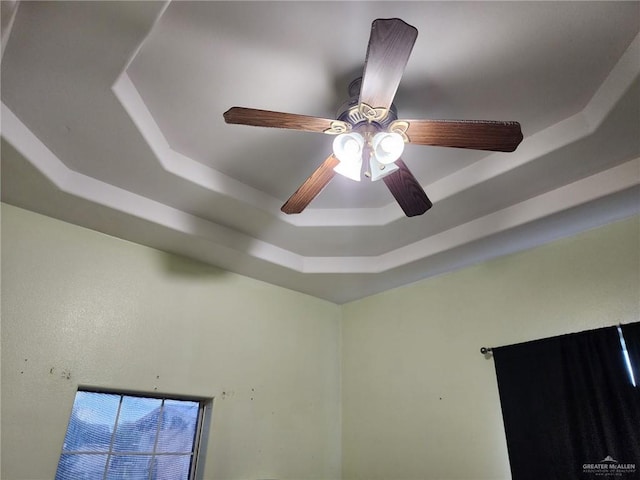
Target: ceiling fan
{"x": 367, "y": 127}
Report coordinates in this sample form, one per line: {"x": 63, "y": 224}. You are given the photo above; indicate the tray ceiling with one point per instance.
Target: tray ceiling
{"x": 112, "y": 119}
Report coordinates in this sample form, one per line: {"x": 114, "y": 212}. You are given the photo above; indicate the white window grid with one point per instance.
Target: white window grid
{"x": 193, "y": 453}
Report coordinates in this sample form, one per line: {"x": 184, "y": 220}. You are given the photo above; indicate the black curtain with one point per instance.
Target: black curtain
{"x": 568, "y": 402}
{"x": 631, "y": 334}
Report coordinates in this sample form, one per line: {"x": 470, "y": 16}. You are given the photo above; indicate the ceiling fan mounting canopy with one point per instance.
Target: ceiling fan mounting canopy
{"x": 351, "y": 110}
{"x": 369, "y": 112}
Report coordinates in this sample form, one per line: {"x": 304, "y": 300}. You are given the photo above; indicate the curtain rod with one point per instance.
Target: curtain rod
{"x": 489, "y": 350}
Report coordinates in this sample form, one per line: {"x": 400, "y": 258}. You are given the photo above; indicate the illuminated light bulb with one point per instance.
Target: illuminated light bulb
{"x": 347, "y": 147}
{"x": 392, "y": 143}
{"x": 351, "y": 147}
{"x": 387, "y": 147}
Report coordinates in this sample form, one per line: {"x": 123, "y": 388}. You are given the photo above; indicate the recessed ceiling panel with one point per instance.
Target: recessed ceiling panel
{"x": 533, "y": 62}
{"x": 112, "y": 119}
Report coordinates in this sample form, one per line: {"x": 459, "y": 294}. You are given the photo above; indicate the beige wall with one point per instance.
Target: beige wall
{"x": 116, "y": 314}
{"x": 420, "y": 401}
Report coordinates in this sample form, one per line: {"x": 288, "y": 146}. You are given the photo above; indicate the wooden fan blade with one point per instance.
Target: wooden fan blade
{"x": 311, "y": 187}
{"x": 390, "y": 45}
{"x": 407, "y": 191}
{"x": 266, "y": 118}
{"x": 475, "y": 134}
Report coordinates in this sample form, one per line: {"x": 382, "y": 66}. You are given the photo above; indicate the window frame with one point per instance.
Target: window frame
{"x": 203, "y": 422}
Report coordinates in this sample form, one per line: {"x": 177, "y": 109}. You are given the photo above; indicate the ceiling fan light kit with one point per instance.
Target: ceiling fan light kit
{"x": 368, "y": 128}
{"x": 383, "y": 149}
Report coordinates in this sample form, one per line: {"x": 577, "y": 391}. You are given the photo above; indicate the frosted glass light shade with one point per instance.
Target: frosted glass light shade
{"x": 379, "y": 170}
{"x": 387, "y": 147}
{"x": 349, "y": 169}
{"x": 347, "y": 148}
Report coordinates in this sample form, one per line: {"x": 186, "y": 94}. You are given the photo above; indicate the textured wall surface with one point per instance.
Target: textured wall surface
{"x": 82, "y": 308}
{"x": 420, "y": 401}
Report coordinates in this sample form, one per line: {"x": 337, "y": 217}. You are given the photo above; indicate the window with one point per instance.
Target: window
{"x": 113, "y": 436}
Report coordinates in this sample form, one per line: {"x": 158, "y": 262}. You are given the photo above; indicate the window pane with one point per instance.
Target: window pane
{"x": 153, "y": 439}
{"x": 129, "y": 467}
{"x": 172, "y": 467}
{"x": 137, "y": 424}
{"x": 91, "y": 423}
{"x": 81, "y": 467}
{"x": 178, "y": 427}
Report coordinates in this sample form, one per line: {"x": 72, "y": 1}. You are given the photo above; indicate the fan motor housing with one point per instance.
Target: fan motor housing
{"x": 350, "y": 112}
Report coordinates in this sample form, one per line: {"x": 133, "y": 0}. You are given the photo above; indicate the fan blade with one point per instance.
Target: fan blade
{"x": 311, "y": 187}
{"x": 407, "y": 191}
{"x": 390, "y": 45}
{"x": 475, "y": 134}
{"x": 266, "y": 118}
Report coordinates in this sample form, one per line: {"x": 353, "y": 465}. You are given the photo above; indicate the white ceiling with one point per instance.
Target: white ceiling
{"x": 112, "y": 119}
